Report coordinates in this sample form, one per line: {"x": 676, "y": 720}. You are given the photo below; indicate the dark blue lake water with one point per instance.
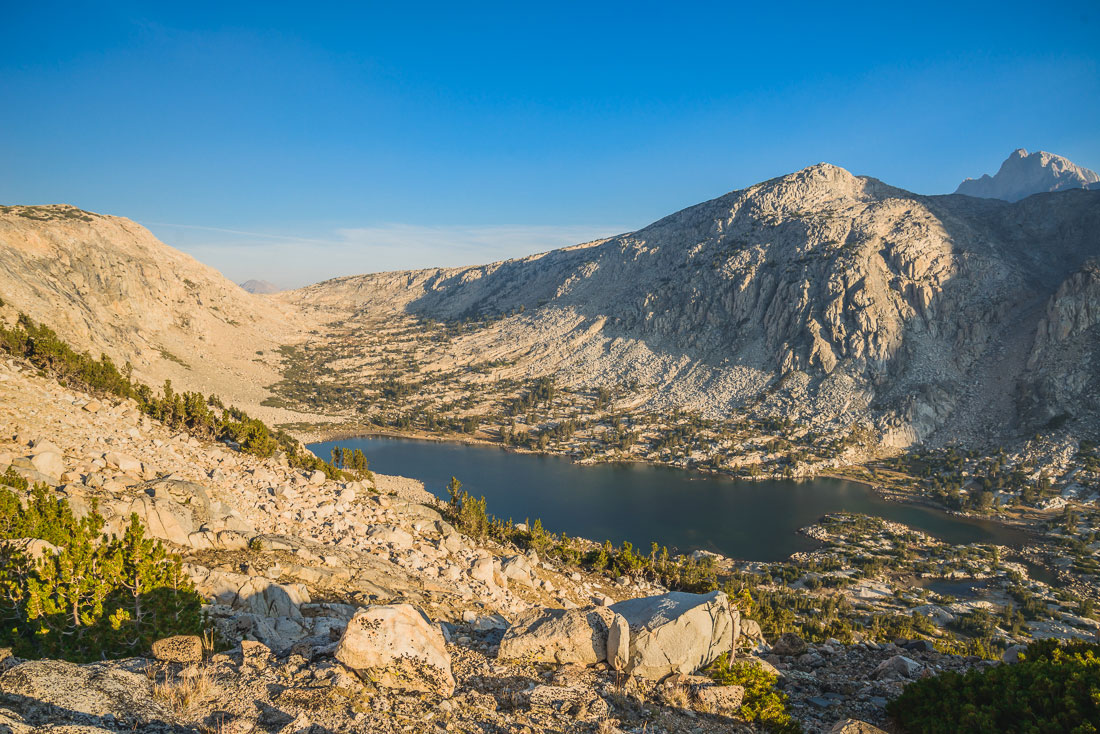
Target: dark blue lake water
{"x": 752, "y": 520}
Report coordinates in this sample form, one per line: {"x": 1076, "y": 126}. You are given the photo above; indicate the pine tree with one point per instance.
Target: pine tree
{"x": 96, "y": 597}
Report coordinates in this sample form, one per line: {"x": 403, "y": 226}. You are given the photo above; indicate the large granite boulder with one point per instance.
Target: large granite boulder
{"x": 577, "y": 636}
{"x": 396, "y": 646}
{"x": 677, "y": 632}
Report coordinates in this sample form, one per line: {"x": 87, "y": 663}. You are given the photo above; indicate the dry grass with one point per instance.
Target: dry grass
{"x": 184, "y": 694}
{"x": 677, "y": 696}
{"x": 607, "y": 726}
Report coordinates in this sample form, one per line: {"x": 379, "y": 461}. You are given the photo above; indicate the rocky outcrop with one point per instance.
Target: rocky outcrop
{"x": 1060, "y": 383}
{"x": 677, "y": 632}
{"x": 1023, "y": 174}
{"x": 56, "y": 692}
{"x": 396, "y": 646}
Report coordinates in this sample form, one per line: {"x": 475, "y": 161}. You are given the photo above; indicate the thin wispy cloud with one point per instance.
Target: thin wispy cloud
{"x": 259, "y": 235}
{"x": 291, "y": 261}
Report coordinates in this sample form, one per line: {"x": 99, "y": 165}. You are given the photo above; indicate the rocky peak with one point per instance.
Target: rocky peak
{"x": 1023, "y": 174}
{"x": 260, "y": 287}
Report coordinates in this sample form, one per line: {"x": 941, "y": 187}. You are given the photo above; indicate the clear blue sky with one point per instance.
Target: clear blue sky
{"x": 334, "y": 139}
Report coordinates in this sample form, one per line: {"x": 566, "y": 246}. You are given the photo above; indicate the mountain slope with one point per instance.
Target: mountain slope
{"x": 105, "y": 284}
{"x": 820, "y": 296}
{"x": 1023, "y": 174}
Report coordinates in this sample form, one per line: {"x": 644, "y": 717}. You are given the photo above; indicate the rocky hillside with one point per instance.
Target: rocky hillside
{"x": 357, "y": 606}
{"x": 106, "y": 285}
{"x": 821, "y": 296}
{"x": 1023, "y": 174}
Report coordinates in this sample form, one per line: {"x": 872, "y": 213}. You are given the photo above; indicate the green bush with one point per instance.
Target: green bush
{"x": 762, "y": 703}
{"x": 1055, "y": 689}
{"x": 467, "y": 513}
{"x": 97, "y": 597}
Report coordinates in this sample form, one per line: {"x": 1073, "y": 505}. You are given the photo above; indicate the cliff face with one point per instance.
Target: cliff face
{"x": 819, "y": 295}
{"x": 106, "y": 285}
{"x": 1062, "y": 380}
{"x": 1023, "y": 174}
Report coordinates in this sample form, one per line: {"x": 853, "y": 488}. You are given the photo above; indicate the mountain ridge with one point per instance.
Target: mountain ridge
{"x": 819, "y": 277}
{"x": 830, "y": 299}
{"x": 107, "y": 285}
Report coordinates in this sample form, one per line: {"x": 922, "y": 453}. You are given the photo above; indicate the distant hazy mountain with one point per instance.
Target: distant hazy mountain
{"x": 1023, "y": 174}
{"x": 260, "y": 286}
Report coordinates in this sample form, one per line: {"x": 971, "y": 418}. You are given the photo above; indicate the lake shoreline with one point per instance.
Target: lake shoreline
{"x": 886, "y": 493}
{"x": 712, "y": 510}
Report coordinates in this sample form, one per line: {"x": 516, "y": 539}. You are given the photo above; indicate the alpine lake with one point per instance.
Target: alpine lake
{"x": 643, "y": 503}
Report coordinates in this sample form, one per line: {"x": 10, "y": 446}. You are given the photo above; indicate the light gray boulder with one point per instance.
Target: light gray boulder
{"x": 396, "y": 646}
{"x": 577, "y": 636}
{"x": 24, "y": 468}
{"x": 898, "y": 666}
{"x": 43, "y": 445}
{"x": 49, "y": 463}
{"x": 677, "y": 632}
{"x": 123, "y": 462}
{"x": 751, "y": 634}
{"x": 618, "y": 643}
{"x": 487, "y": 571}
{"x": 390, "y": 535}
{"x": 518, "y": 569}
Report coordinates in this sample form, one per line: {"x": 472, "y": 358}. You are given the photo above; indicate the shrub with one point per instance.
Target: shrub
{"x": 762, "y": 703}
{"x": 467, "y": 513}
{"x": 97, "y": 597}
{"x": 1055, "y": 689}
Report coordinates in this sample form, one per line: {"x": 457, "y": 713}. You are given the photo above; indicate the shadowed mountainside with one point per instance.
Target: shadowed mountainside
{"x": 819, "y": 295}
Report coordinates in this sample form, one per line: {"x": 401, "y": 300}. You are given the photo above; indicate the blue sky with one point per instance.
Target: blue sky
{"x": 295, "y": 142}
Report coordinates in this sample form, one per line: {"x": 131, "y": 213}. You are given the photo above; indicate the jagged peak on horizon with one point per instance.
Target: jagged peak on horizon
{"x": 1023, "y": 174}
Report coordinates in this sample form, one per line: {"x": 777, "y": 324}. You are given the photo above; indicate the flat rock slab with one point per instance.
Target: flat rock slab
{"x": 56, "y": 692}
